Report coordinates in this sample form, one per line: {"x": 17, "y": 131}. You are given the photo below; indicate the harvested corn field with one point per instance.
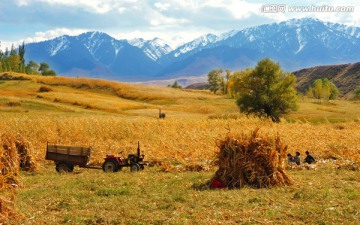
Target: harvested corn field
{"x": 177, "y": 142}
{"x": 182, "y": 150}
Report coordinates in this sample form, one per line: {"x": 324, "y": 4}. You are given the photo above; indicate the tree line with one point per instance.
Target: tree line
{"x": 14, "y": 61}
{"x": 267, "y": 90}
{"x": 323, "y": 90}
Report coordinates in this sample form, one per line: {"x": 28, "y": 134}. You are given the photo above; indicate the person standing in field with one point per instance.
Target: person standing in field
{"x": 309, "y": 158}
{"x": 297, "y": 158}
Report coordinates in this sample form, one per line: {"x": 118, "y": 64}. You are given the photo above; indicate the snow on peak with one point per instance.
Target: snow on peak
{"x": 58, "y": 44}
{"x": 200, "y": 42}
{"x": 302, "y": 41}
{"x": 137, "y": 42}
{"x": 160, "y": 42}
{"x": 300, "y": 22}
{"x": 227, "y": 35}
{"x": 155, "y": 48}
{"x": 348, "y": 30}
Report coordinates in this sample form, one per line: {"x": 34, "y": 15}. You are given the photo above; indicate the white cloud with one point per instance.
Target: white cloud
{"x": 50, "y": 34}
{"x": 238, "y": 8}
{"x": 162, "y": 6}
{"x": 95, "y": 6}
{"x": 161, "y": 20}
{"x": 43, "y": 36}
{"x": 172, "y": 20}
{"x": 100, "y": 7}
{"x": 22, "y": 2}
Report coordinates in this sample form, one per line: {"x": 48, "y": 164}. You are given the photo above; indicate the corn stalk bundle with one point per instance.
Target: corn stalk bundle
{"x": 252, "y": 160}
{"x": 9, "y": 164}
{"x": 26, "y": 159}
{"x": 9, "y": 171}
{"x": 15, "y": 155}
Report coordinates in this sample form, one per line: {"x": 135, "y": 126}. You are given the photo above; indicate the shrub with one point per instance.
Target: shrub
{"x": 13, "y": 104}
{"x": 45, "y": 89}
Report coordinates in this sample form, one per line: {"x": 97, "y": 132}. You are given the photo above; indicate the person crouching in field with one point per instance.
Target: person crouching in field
{"x": 290, "y": 158}
{"x": 309, "y": 158}
{"x": 297, "y": 158}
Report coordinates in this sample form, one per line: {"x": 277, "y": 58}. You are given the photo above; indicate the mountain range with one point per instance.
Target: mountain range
{"x": 295, "y": 44}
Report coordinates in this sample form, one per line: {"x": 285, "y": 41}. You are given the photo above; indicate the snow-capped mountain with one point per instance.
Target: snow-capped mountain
{"x": 295, "y": 44}
{"x": 97, "y": 54}
{"x": 58, "y": 44}
{"x": 197, "y": 45}
{"x": 155, "y": 48}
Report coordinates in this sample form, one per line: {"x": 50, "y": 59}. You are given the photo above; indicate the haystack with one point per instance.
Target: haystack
{"x": 9, "y": 166}
{"x": 26, "y": 159}
{"x": 15, "y": 155}
{"x": 251, "y": 160}
{"x": 9, "y": 171}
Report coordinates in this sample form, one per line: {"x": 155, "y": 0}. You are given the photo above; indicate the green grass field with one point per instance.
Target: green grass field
{"x": 323, "y": 196}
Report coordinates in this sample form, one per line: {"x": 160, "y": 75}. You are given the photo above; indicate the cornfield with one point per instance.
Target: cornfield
{"x": 186, "y": 142}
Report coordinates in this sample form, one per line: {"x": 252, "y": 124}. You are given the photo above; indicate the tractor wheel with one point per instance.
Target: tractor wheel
{"x": 110, "y": 166}
{"x": 134, "y": 167}
{"x": 64, "y": 167}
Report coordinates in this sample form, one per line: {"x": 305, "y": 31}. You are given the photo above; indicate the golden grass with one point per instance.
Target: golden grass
{"x": 74, "y": 94}
{"x": 113, "y": 116}
{"x": 337, "y": 110}
{"x": 179, "y": 141}
{"x": 123, "y": 90}
{"x": 93, "y": 101}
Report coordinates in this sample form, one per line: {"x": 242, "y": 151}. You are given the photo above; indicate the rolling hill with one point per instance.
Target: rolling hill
{"x": 38, "y": 95}
{"x": 345, "y": 76}
{"x": 32, "y": 94}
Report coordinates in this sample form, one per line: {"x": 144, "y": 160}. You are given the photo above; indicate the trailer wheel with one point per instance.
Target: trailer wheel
{"x": 134, "y": 167}
{"x": 64, "y": 167}
{"x": 110, "y": 166}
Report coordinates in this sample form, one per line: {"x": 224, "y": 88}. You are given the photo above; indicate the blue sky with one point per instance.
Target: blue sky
{"x": 175, "y": 21}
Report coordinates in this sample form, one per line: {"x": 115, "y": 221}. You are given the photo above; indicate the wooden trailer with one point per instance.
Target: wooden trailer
{"x": 66, "y": 157}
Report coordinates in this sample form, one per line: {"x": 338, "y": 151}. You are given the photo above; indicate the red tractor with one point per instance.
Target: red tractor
{"x": 115, "y": 163}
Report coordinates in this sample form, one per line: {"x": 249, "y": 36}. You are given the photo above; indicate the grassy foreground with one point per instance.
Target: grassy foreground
{"x": 323, "y": 196}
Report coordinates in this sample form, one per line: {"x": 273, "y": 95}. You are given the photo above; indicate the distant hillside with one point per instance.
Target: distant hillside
{"x": 199, "y": 86}
{"x": 55, "y": 94}
{"x": 345, "y": 76}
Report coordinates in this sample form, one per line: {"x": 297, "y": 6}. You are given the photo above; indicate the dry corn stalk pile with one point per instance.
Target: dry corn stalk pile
{"x": 9, "y": 169}
{"x": 252, "y": 160}
{"x": 9, "y": 166}
{"x": 14, "y": 155}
